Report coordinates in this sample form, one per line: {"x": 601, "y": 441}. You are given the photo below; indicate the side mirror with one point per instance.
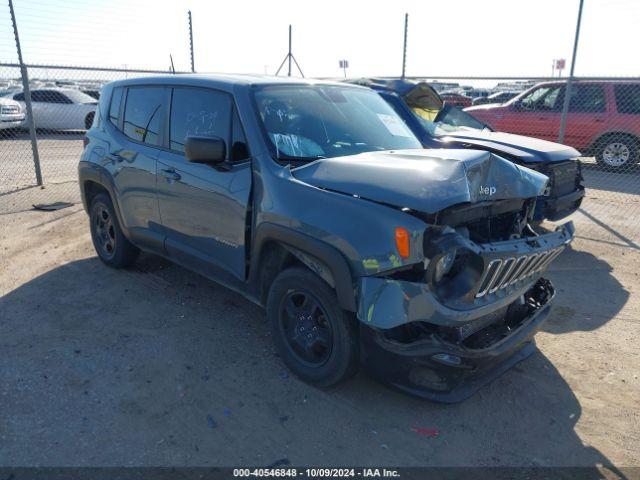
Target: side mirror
{"x": 205, "y": 149}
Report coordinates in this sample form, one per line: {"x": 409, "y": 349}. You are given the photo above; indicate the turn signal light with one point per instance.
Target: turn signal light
{"x": 402, "y": 242}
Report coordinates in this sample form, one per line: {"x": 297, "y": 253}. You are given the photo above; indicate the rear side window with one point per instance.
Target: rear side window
{"x": 143, "y": 114}
{"x": 628, "y": 98}
{"x": 114, "y": 108}
{"x": 587, "y": 98}
{"x": 198, "y": 112}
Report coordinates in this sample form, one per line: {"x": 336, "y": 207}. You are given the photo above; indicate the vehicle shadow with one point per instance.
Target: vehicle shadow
{"x": 157, "y": 366}
{"x": 580, "y": 277}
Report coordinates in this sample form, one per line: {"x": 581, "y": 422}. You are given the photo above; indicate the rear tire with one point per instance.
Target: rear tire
{"x": 316, "y": 338}
{"x": 617, "y": 152}
{"x": 110, "y": 243}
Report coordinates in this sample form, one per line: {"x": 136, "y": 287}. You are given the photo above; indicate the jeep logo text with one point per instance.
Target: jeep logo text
{"x": 487, "y": 190}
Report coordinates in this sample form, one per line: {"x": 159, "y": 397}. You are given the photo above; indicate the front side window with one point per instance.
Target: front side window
{"x": 198, "y": 112}
{"x": 543, "y": 99}
{"x": 306, "y": 122}
{"x": 143, "y": 113}
{"x": 627, "y": 98}
{"x": 50, "y": 96}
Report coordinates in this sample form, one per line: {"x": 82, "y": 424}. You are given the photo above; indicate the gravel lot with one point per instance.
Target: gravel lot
{"x": 158, "y": 366}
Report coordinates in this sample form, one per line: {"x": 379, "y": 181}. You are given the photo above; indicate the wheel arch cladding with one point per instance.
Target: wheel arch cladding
{"x": 319, "y": 257}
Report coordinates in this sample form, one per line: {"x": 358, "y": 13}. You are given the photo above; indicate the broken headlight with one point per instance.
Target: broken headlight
{"x": 452, "y": 274}
{"x": 443, "y": 264}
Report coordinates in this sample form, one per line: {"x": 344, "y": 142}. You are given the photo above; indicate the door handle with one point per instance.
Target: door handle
{"x": 170, "y": 174}
{"x": 115, "y": 158}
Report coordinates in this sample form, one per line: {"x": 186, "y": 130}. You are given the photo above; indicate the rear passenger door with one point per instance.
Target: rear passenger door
{"x": 136, "y": 120}
{"x": 204, "y": 207}
{"x": 587, "y": 114}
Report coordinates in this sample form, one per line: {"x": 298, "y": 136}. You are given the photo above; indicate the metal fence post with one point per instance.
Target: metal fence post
{"x": 193, "y": 67}
{"x": 27, "y": 99}
{"x": 567, "y": 90}
{"x": 404, "y": 47}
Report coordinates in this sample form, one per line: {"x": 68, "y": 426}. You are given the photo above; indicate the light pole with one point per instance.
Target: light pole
{"x": 567, "y": 90}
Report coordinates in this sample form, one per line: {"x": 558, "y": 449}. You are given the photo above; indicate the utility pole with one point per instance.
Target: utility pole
{"x": 27, "y": 99}
{"x": 289, "y": 54}
{"x": 193, "y": 68}
{"x": 567, "y": 90}
{"x": 290, "y": 58}
{"x": 404, "y": 48}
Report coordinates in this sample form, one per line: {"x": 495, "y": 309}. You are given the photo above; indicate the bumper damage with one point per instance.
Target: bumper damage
{"x": 440, "y": 364}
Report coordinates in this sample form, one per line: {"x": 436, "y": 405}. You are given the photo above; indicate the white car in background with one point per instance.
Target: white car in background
{"x": 11, "y": 114}
{"x": 60, "y": 108}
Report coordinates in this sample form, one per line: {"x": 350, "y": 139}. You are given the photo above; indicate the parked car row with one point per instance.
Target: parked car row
{"x": 57, "y": 108}
{"x": 439, "y": 125}
{"x": 318, "y": 202}
{"x": 603, "y": 118}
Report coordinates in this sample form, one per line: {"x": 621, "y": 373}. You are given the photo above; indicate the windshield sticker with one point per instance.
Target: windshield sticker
{"x": 396, "y": 127}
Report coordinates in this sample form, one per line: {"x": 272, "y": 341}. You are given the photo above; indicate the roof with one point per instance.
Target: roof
{"x": 223, "y": 80}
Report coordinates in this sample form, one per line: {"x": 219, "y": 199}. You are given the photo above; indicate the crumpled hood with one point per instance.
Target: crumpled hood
{"x": 526, "y": 149}
{"x": 424, "y": 180}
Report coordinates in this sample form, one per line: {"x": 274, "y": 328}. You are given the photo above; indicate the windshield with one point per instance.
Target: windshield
{"x": 76, "y": 96}
{"x": 306, "y": 122}
{"x": 449, "y": 119}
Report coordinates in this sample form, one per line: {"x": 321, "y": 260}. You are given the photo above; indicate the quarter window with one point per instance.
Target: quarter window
{"x": 143, "y": 113}
{"x": 114, "y": 108}
{"x": 198, "y": 112}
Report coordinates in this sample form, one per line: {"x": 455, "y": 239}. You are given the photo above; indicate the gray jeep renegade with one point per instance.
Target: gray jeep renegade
{"x": 314, "y": 200}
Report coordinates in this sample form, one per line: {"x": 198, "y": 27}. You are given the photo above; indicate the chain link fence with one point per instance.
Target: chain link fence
{"x": 600, "y": 117}
{"x": 63, "y": 102}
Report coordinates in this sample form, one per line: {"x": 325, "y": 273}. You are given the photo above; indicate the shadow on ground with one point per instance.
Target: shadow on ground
{"x": 158, "y": 366}
{"x": 580, "y": 278}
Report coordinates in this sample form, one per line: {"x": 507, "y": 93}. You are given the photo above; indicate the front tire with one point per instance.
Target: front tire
{"x": 316, "y": 338}
{"x": 617, "y": 152}
{"x": 111, "y": 245}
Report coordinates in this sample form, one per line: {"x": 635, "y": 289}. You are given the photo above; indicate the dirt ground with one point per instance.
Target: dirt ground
{"x": 158, "y": 366}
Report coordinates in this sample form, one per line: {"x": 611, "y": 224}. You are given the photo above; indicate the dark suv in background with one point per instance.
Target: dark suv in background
{"x": 603, "y": 118}
{"x": 315, "y": 201}
{"x": 439, "y": 125}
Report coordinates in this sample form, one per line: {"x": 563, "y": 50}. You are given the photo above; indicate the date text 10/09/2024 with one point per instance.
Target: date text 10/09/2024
{"x": 316, "y": 472}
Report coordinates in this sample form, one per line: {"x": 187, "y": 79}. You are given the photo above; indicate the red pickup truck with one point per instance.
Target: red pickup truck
{"x": 603, "y": 118}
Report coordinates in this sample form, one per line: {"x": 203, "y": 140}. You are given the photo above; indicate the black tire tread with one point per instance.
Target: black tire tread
{"x": 344, "y": 360}
{"x": 125, "y": 253}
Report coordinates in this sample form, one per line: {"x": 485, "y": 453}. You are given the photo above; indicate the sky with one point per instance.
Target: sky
{"x": 445, "y": 38}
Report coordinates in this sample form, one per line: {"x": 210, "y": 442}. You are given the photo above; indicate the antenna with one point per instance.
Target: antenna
{"x": 173, "y": 69}
{"x": 289, "y": 57}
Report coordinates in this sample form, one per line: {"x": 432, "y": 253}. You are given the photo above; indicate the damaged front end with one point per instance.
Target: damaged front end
{"x": 443, "y": 328}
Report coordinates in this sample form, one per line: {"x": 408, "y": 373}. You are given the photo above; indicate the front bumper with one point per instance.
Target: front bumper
{"x": 457, "y": 371}
{"x": 11, "y": 122}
